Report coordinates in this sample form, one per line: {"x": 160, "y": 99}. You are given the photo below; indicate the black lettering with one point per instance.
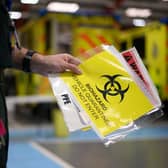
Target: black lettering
{"x": 66, "y": 99}
{"x": 134, "y": 66}
{"x": 127, "y": 58}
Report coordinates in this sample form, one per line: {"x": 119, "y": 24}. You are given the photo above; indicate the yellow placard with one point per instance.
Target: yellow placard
{"x": 107, "y": 93}
{"x": 156, "y": 55}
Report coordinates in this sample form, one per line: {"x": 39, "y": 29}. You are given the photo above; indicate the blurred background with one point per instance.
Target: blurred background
{"x": 39, "y": 136}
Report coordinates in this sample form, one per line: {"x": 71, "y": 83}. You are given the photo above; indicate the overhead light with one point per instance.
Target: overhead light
{"x": 62, "y": 7}
{"x": 15, "y": 15}
{"x": 136, "y": 12}
{"x": 29, "y": 1}
{"x": 139, "y": 22}
{"x": 165, "y": 0}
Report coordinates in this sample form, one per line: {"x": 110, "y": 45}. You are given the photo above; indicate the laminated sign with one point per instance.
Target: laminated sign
{"x": 112, "y": 93}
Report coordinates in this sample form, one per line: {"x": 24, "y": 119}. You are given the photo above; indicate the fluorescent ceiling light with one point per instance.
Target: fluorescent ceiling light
{"x": 15, "y": 15}
{"x": 165, "y": 0}
{"x": 29, "y": 1}
{"x": 139, "y": 22}
{"x": 136, "y": 12}
{"x": 62, "y": 7}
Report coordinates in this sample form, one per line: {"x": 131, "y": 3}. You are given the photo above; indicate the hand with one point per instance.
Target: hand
{"x": 58, "y": 63}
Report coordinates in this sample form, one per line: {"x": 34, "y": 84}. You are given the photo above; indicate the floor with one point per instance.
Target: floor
{"x": 38, "y": 147}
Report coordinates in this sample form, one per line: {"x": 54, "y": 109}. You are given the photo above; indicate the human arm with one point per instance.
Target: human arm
{"x": 44, "y": 65}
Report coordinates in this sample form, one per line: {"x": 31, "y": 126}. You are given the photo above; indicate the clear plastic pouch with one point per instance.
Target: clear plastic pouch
{"x": 113, "y": 96}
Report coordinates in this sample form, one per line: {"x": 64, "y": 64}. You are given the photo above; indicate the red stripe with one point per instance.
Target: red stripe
{"x": 88, "y": 40}
{"x": 102, "y": 39}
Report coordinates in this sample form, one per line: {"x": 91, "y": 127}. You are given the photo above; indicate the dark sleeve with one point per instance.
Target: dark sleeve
{"x": 5, "y": 46}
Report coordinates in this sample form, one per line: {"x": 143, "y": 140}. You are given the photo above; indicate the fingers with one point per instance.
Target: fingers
{"x": 73, "y": 68}
{"x": 71, "y": 63}
{"x": 74, "y": 60}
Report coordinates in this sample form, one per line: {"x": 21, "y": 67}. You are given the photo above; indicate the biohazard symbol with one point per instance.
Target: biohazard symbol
{"x": 112, "y": 87}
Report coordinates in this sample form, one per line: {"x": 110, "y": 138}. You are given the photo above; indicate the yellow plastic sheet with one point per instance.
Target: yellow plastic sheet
{"x": 107, "y": 93}
{"x": 111, "y": 96}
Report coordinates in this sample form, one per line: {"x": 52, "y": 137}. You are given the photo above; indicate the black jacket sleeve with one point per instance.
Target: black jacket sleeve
{"x": 5, "y": 45}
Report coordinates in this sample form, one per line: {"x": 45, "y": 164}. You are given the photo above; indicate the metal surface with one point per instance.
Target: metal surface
{"x": 127, "y": 154}
{"x": 38, "y": 147}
